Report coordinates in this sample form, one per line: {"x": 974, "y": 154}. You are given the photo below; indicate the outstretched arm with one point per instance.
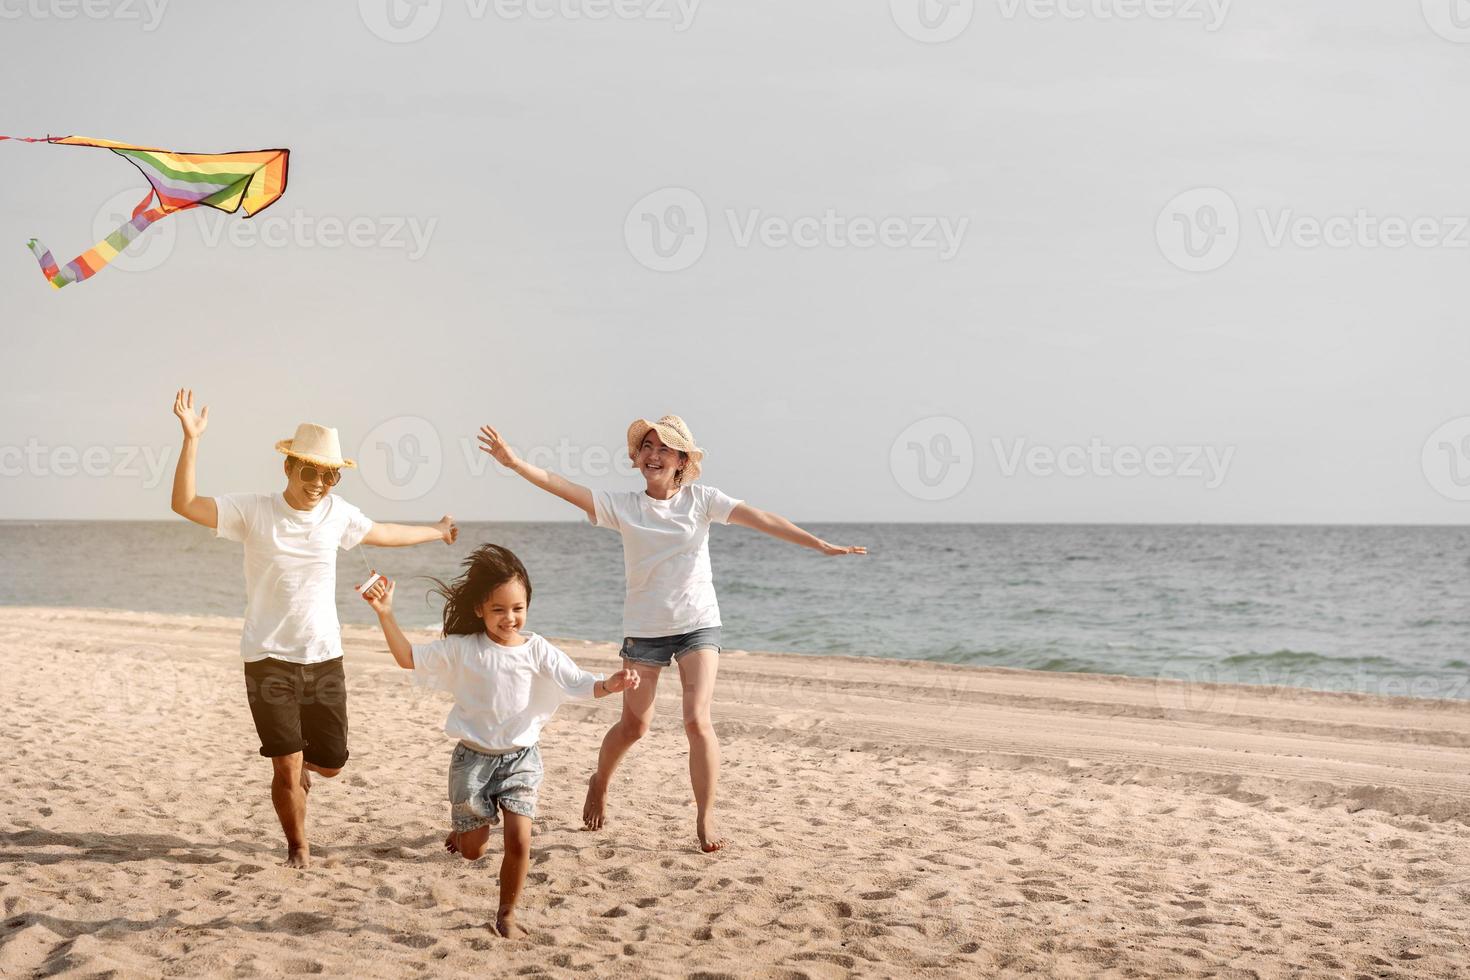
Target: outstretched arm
{"x": 402, "y": 535}
{"x": 187, "y": 503}
{"x": 553, "y": 483}
{"x": 380, "y": 597}
{"x": 779, "y": 527}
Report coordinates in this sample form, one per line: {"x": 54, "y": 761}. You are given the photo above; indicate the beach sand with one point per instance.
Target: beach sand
{"x": 890, "y": 818}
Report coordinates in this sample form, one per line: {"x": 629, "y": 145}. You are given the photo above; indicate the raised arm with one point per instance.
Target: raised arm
{"x": 553, "y": 483}
{"x": 779, "y": 527}
{"x": 187, "y": 503}
{"x": 380, "y": 597}
{"x": 403, "y": 535}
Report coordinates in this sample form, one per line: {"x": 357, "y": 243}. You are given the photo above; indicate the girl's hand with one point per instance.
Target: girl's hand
{"x": 380, "y": 596}
{"x": 448, "y": 529}
{"x": 490, "y": 442}
{"x": 837, "y": 549}
{"x": 194, "y": 425}
{"x": 624, "y": 680}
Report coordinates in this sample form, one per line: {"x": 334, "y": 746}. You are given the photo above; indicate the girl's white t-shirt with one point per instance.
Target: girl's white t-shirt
{"x": 290, "y": 572}
{"x": 502, "y": 695}
{"x": 671, "y": 588}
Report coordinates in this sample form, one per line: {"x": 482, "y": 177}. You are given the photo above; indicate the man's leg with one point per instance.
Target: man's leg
{"x": 288, "y": 795}
{"x": 697, "y": 672}
{"x": 633, "y": 725}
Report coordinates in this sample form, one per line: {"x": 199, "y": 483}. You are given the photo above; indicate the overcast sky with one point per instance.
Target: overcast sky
{"x": 882, "y": 275}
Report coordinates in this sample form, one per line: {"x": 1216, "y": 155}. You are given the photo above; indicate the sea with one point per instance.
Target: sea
{"x": 1377, "y": 610}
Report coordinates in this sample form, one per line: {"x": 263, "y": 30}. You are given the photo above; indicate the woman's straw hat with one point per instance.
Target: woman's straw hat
{"x": 675, "y": 434}
{"x": 315, "y": 444}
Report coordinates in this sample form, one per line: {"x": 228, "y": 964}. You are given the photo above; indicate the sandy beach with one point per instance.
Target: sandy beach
{"x": 890, "y": 818}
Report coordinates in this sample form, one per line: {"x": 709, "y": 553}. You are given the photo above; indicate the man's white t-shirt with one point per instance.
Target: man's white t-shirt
{"x": 671, "y": 589}
{"x": 503, "y": 696}
{"x": 290, "y": 572}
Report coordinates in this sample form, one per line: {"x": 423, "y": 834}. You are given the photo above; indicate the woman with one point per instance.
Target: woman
{"x": 670, "y": 614}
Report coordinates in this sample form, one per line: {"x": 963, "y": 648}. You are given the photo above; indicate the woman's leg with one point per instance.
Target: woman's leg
{"x": 697, "y": 672}
{"x": 633, "y": 725}
{"x": 513, "y": 873}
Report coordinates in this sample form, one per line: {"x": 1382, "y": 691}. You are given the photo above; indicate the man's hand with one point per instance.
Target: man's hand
{"x": 194, "y": 424}
{"x": 380, "y": 596}
{"x": 837, "y": 549}
{"x": 448, "y": 529}
{"x": 490, "y": 442}
{"x": 624, "y": 680}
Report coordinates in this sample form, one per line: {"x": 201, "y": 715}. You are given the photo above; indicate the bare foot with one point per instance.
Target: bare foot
{"x": 709, "y": 841}
{"x": 594, "y": 810}
{"x": 305, "y": 780}
{"x": 450, "y": 845}
{"x": 505, "y": 924}
{"x": 299, "y": 857}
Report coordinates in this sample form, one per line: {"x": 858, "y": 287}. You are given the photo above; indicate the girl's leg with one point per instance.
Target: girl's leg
{"x": 513, "y": 873}
{"x": 697, "y": 672}
{"x": 633, "y": 725}
{"x": 468, "y": 844}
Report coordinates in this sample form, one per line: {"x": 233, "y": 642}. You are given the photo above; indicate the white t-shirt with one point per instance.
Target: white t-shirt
{"x": 290, "y": 572}
{"x": 671, "y": 589}
{"x": 502, "y": 695}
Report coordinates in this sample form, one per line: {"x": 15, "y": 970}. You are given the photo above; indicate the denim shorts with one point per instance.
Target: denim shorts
{"x": 480, "y": 785}
{"x": 660, "y": 651}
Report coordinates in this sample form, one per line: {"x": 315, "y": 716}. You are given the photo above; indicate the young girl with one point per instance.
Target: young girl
{"x": 506, "y": 685}
{"x": 670, "y": 614}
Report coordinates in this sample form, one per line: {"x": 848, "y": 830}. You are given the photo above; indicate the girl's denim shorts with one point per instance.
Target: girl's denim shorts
{"x": 660, "y": 651}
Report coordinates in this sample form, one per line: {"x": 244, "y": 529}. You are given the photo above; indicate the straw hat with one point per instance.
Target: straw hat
{"x": 675, "y": 434}
{"x": 315, "y": 444}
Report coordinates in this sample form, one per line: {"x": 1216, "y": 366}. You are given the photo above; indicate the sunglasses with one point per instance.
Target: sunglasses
{"x": 310, "y": 473}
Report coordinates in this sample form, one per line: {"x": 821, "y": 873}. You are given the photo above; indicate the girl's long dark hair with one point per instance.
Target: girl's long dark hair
{"x": 486, "y": 569}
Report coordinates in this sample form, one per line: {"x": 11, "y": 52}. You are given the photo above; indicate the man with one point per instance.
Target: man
{"x": 292, "y": 641}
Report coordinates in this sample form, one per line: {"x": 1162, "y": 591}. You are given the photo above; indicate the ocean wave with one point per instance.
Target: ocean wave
{"x": 1303, "y": 658}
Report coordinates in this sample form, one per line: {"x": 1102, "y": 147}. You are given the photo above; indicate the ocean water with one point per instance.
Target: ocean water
{"x": 1382, "y": 610}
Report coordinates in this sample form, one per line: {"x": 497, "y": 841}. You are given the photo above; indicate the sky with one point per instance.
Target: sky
{"x": 903, "y": 260}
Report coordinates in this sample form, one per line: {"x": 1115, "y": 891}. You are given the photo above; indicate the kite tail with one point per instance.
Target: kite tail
{"x": 87, "y": 264}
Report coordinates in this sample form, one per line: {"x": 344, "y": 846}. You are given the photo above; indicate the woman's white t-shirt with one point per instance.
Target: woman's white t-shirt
{"x": 502, "y": 695}
{"x": 671, "y": 589}
{"x": 290, "y": 572}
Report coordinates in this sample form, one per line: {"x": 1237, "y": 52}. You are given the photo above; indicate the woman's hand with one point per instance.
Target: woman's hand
{"x": 194, "y": 424}
{"x": 448, "y": 529}
{"x": 490, "y": 442}
{"x": 626, "y": 679}
{"x": 380, "y": 596}
{"x": 837, "y": 549}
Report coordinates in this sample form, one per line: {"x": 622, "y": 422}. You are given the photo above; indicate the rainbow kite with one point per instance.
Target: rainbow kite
{"x": 253, "y": 179}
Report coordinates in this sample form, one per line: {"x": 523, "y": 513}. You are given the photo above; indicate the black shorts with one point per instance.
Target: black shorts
{"x": 300, "y": 708}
